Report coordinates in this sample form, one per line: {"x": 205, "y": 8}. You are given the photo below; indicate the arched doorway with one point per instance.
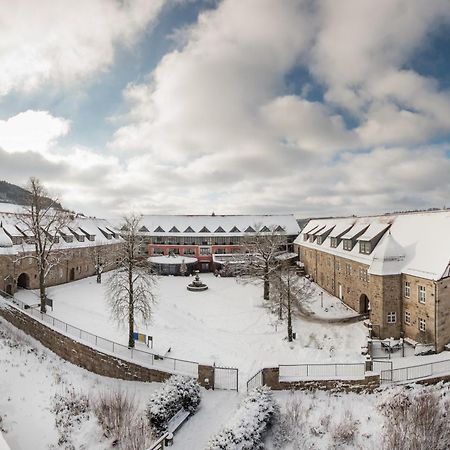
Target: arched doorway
{"x": 364, "y": 304}
{"x": 23, "y": 281}
{"x": 72, "y": 274}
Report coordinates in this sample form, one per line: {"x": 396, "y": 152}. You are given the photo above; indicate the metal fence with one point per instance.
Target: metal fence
{"x": 334, "y": 371}
{"x": 255, "y": 381}
{"x": 226, "y": 378}
{"x": 378, "y": 366}
{"x": 141, "y": 357}
{"x": 404, "y": 374}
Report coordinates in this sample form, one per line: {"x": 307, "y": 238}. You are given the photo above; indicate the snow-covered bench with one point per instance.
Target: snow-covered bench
{"x": 175, "y": 423}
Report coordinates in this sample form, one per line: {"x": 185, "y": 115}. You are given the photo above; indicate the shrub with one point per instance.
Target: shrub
{"x": 121, "y": 421}
{"x": 176, "y": 393}
{"x": 247, "y": 429}
{"x": 344, "y": 432}
{"x": 416, "y": 422}
{"x": 70, "y": 409}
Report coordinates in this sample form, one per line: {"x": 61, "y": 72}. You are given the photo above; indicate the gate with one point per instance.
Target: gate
{"x": 380, "y": 365}
{"x": 226, "y": 378}
{"x": 255, "y": 381}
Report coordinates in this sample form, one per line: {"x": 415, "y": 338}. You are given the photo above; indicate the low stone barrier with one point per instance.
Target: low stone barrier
{"x": 90, "y": 358}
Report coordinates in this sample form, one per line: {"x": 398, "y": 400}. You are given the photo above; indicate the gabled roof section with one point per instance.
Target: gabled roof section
{"x": 189, "y": 230}
{"x": 219, "y": 230}
{"x": 265, "y": 229}
{"x": 355, "y": 231}
{"x": 235, "y": 229}
{"x": 158, "y": 229}
{"x": 279, "y": 228}
{"x": 204, "y": 230}
{"x": 174, "y": 230}
{"x": 373, "y": 231}
{"x": 144, "y": 229}
{"x": 250, "y": 229}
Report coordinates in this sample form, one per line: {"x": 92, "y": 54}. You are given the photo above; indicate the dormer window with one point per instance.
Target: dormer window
{"x": 279, "y": 228}
{"x": 204, "y": 230}
{"x": 311, "y": 238}
{"x": 249, "y": 230}
{"x": 319, "y": 240}
{"x": 143, "y": 229}
{"x": 365, "y": 247}
{"x": 305, "y": 237}
{"x": 347, "y": 243}
{"x": 235, "y": 230}
{"x": 189, "y": 230}
{"x": 333, "y": 242}
{"x": 265, "y": 229}
{"x": 159, "y": 230}
{"x": 174, "y": 230}
{"x": 220, "y": 230}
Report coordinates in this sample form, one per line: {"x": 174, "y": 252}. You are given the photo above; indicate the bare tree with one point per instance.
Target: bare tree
{"x": 43, "y": 219}
{"x": 131, "y": 287}
{"x": 292, "y": 293}
{"x": 258, "y": 261}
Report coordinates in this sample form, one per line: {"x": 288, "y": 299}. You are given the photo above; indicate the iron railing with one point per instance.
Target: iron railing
{"x": 404, "y": 374}
{"x": 144, "y": 358}
{"x": 332, "y": 371}
{"x": 255, "y": 381}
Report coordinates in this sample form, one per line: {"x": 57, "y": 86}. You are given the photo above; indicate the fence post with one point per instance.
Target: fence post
{"x": 96, "y": 340}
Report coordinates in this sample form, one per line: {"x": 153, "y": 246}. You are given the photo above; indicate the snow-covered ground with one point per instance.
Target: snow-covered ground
{"x": 31, "y": 375}
{"x": 227, "y": 325}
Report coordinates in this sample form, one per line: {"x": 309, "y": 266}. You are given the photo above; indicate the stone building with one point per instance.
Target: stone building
{"x": 207, "y": 237}
{"x": 394, "y": 268}
{"x": 80, "y": 247}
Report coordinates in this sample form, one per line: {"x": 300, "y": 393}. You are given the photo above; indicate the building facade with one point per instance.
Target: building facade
{"x": 394, "y": 268}
{"x": 202, "y": 237}
{"x": 81, "y": 247}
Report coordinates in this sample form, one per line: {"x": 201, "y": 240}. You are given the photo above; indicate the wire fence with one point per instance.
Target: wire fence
{"x": 334, "y": 371}
{"x": 404, "y": 374}
{"x": 144, "y": 358}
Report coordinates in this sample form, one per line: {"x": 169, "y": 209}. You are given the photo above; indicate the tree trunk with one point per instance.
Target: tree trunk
{"x": 130, "y": 308}
{"x": 266, "y": 283}
{"x": 280, "y": 306}
{"x": 42, "y": 294}
{"x": 289, "y": 315}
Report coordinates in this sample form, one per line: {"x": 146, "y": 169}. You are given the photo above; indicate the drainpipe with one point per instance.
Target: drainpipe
{"x": 435, "y": 316}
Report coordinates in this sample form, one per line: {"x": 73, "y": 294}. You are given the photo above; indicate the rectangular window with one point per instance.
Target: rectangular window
{"x": 407, "y": 289}
{"x": 205, "y": 250}
{"x": 348, "y": 269}
{"x": 407, "y": 318}
{"x": 319, "y": 240}
{"x": 422, "y": 325}
{"x": 338, "y": 265}
{"x": 333, "y": 242}
{"x": 305, "y": 237}
{"x": 347, "y": 244}
{"x": 363, "y": 275}
{"x": 364, "y": 247}
{"x": 422, "y": 294}
{"x": 392, "y": 317}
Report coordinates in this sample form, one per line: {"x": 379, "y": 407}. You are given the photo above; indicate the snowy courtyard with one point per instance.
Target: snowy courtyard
{"x": 228, "y": 324}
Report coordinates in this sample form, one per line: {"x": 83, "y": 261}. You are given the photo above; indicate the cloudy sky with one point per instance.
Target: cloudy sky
{"x": 234, "y": 106}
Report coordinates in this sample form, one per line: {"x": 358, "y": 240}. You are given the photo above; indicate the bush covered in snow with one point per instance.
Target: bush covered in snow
{"x": 176, "y": 393}
{"x": 252, "y": 420}
{"x": 70, "y": 409}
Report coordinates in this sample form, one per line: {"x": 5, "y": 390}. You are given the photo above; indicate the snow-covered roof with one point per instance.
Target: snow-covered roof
{"x": 414, "y": 243}
{"x": 12, "y": 225}
{"x": 225, "y": 225}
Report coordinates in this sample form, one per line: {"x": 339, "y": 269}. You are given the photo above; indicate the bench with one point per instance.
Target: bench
{"x": 177, "y": 420}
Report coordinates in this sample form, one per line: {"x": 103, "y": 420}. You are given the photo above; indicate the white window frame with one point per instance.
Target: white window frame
{"x": 422, "y": 293}
{"x": 422, "y": 325}
{"x": 407, "y": 289}
{"x": 392, "y": 317}
{"x": 407, "y": 318}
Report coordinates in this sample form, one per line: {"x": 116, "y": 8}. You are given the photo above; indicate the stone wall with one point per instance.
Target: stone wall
{"x": 271, "y": 378}
{"x": 89, "y": 358}
{"x": 443, "y": 313}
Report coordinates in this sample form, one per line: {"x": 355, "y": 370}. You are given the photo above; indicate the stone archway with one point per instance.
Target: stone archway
{"x": 364, "y": 304}
{"x": 23, "y": 281}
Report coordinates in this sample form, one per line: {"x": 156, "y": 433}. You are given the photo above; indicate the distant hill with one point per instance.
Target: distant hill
{"x": 10, "y": 193}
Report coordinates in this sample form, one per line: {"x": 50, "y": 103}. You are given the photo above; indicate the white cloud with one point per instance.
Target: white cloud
{"x": 32, "y": 131}
{"x": 65, "y": 42}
